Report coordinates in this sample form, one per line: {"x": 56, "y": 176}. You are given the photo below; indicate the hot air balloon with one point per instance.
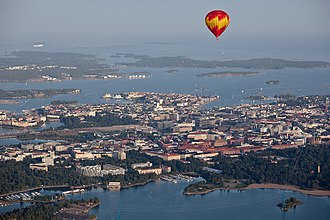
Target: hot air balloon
{"x": 217, "y": 21}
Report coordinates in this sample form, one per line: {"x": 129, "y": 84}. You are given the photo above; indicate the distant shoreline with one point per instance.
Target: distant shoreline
{"x": 8, "y": 102}
{"x": 34, "y": 66}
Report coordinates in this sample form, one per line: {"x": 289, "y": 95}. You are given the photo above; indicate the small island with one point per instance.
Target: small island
{"x": 289, "y": 204}
{"x": 227, "y": 74}
{"x": 272, "y": 82}
{"x": 172, "y": 71}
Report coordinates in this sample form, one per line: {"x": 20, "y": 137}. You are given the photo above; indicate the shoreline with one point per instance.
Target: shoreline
{"x": 8, "y": 102}
{"x": 288, "y": 187}
{"x": 73, "y": 187}
{"x": 137, "y": 184}
{"x": 317, "y": 192}
{"x": 226, "y": 74}
{"x": 33, "y": 189}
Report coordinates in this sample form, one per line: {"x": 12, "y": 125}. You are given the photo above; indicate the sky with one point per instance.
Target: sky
{"x": 102, "y": 21}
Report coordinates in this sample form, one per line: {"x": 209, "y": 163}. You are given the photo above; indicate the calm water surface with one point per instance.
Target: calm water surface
{"x": 163, "y": 200}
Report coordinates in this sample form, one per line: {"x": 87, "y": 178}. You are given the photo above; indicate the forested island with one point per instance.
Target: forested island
{"x": 34, "y": 93}
{"x": 226, "y": 74}
{"x": 256, "y": 63}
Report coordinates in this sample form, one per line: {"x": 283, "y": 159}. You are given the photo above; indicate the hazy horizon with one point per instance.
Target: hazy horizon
{"x": 267, "y": 26}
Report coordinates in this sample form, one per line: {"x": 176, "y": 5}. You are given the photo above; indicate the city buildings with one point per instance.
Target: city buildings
{"x": 169, "y": 126}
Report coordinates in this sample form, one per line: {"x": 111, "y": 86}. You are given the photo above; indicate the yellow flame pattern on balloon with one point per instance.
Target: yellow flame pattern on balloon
{"x": 215, "y": 22}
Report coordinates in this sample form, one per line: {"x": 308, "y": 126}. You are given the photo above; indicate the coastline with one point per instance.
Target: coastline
{"x": 8, "y": 102}
{"x": 33, "y": 189}
{"x": 320, "y": 193}
{"x": 288, "y": 187}
{"x": 206, "y": 191}
{"x": 73, "y": 187}
{"x": 137, "y": 184}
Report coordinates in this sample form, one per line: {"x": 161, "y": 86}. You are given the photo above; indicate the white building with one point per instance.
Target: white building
{"x": 109, "y": 169}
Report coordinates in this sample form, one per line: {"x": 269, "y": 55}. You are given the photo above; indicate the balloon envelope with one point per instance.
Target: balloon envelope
{"x": 217, "y": 21}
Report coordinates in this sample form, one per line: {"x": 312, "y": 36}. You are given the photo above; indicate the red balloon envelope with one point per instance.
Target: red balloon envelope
{"x": 217, "y": 21}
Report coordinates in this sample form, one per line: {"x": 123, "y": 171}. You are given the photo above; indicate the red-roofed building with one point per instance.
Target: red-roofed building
{"x": 284, "y": 146}
{"x": 228, "y": 151}
{"x": 198, "y": 135}
{"x": 252, "y": 149}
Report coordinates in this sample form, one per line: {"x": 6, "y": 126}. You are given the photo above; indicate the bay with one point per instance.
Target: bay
{"x": 164, "y": 200}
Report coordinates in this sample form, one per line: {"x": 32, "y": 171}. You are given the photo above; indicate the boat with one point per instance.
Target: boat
{"x": 38, "y": 45}
{"x": 169, "y": 179}
{"x": 107, "y": 96}
{"x": 74, "y": 191}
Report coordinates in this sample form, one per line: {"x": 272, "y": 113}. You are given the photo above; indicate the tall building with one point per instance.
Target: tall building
{"x": 326, "y": 105}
